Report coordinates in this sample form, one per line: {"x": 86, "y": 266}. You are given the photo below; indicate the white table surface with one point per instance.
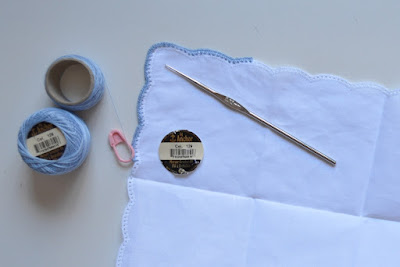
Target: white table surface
{"x": 75, "y": 219}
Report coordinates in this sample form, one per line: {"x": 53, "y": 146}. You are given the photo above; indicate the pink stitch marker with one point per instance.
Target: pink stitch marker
{"x": 116, "y": 137}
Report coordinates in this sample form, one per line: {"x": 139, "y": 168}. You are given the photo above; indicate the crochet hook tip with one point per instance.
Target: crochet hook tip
{"x": 176, "y": 71}
{"x": 170, "y": 68}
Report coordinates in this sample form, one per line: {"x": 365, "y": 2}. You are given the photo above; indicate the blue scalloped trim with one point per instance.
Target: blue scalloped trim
{"x": 200, "y": 52}
{"x": 319, "y": 77}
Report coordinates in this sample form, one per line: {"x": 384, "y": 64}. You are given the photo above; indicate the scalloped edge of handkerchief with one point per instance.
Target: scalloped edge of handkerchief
{"x": 231, "y": 60}
{"x": 141, "y": 120}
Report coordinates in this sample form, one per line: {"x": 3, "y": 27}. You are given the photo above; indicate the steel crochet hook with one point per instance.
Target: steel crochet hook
{"x": 233, "y": 104}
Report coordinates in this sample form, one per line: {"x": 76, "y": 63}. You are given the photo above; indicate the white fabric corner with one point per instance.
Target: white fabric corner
{"x": 256, "y": 199}
{"x": 182, "y": 226}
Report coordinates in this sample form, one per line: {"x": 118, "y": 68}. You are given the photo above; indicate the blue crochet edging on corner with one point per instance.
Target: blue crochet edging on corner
{"x": 197, "y": 52}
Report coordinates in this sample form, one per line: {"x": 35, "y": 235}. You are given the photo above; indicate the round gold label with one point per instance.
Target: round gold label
{"x": 181, "y": 152}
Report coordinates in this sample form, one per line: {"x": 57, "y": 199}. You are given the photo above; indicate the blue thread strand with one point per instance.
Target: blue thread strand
{"x": 98, "y": 85}
{"x": 75, "y": 131}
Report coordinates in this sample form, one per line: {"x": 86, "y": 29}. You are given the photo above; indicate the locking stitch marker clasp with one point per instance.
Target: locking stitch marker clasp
{"x": 116, "y": 137}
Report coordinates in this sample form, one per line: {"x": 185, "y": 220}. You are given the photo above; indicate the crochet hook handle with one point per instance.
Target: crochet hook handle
{"x": 233, "y": 104}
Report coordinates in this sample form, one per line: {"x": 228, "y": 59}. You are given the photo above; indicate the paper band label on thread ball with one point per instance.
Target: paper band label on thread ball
{"x": 46, "y": 141}
{"x": 181, "y": 151}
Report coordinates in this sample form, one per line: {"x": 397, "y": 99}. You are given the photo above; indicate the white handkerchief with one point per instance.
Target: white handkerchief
{"x": 256, "y": 199}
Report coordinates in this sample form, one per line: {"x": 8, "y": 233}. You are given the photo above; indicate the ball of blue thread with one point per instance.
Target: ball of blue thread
{"x": 97, "y": 90}
{"x": 76, "y": 134}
